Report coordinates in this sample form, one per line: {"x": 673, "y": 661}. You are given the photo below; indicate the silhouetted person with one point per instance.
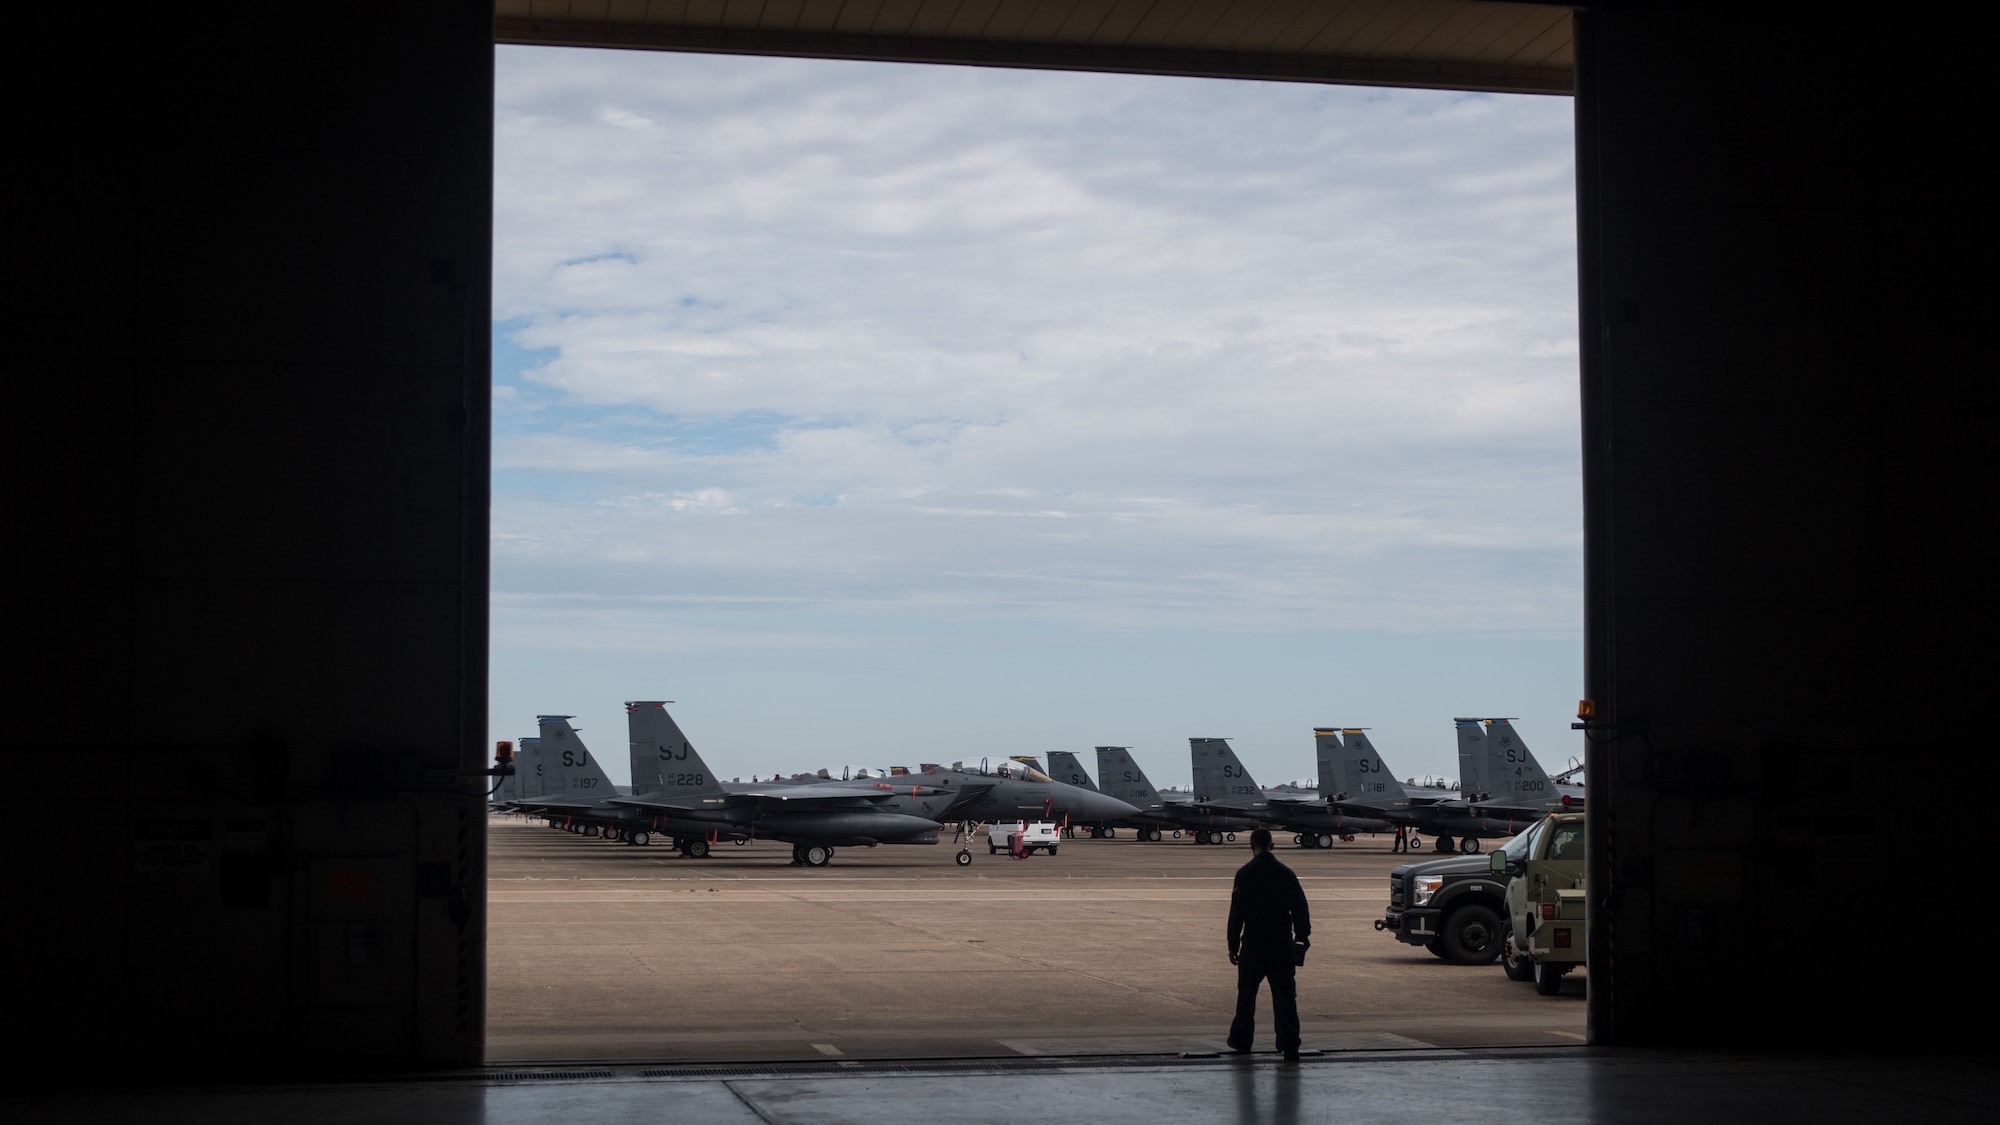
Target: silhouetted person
{"x": 1268, "y": 928}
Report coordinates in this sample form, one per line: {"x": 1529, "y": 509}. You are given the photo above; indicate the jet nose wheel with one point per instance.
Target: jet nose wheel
{"x": 964, "y": 857}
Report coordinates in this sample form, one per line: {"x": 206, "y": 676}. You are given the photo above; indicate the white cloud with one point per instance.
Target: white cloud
{"x": 826, "y": 343}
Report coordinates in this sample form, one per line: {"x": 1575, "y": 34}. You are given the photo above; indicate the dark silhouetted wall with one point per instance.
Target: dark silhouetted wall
{"x": 1787, "y": 605}
{"x": 248, "y": 502}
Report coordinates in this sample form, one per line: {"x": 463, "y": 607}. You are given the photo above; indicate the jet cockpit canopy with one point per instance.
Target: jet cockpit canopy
{"x": 1015, "y": 770}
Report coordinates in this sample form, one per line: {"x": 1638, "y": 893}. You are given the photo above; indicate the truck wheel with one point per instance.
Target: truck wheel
{"x": 1549, "y": 978}
{"x": 1471, "y": 935}
{"x": 964, "y": 858}
{"x": 1436, "y": 946}
{"x": 1052, "y": 849}
{"x": 1517, "y": 966}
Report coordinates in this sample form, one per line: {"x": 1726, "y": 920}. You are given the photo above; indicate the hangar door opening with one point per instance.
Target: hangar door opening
{"x": 880, "y": 416}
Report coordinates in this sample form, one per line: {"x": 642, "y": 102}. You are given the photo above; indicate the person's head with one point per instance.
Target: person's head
{"x": 1260, "y": 839}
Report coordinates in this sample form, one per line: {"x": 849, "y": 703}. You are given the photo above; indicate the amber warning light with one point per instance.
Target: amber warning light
{"x": 503, "y": 753}
{"x": 1585, "y": 709}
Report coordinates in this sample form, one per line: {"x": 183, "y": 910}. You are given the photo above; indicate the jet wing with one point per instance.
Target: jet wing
{"x": 1365, "y": 808}
{"x": 559, "y": 804}
{"x": 1556, "y": 803}
{"x": 684, "y": 803}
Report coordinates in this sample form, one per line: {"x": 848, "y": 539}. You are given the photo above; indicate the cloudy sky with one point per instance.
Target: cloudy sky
{"x": 879, "y": 414}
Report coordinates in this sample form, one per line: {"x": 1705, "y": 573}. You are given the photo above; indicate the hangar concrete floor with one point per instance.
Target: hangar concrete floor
{"x": 1547, "y": 1086}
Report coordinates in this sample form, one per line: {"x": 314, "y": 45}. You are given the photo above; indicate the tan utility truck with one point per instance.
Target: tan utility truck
{"x": 1543, "y": 935}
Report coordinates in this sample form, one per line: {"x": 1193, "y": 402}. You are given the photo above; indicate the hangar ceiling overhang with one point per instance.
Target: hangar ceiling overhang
{"x": 1522, "y": 48}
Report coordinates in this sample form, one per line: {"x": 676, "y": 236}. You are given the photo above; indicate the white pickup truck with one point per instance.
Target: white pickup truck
{"x": 1035, "y": 834}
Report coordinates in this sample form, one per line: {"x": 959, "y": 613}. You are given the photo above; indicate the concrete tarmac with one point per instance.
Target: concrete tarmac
{"x": 600, "y": 951}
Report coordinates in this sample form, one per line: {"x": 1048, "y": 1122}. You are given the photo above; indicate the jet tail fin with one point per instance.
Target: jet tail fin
{"x": 1064, "y": 767}
{"x": 1218, "y": 773}
{"x": 1518, "y": 779}
{"x": 664, "y": 762}
{"x": 1475, "y": 768}
{"x": 1365, "y": 774}
{"x": 1122, "y": 778}
{"x": 568, "y": 768}
{"x": 530, "y": 780}
{"x": 1326, "y": 754}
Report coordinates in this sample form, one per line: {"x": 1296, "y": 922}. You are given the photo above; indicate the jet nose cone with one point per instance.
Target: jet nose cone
{"x": 1101, "y": 806}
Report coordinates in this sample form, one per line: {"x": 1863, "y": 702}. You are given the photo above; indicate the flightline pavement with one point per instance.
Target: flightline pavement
{"x": 599, "y": 950}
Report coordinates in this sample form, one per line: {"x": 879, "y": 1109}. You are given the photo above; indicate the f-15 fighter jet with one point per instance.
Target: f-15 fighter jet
{"x": 1221, "y": 781}
{"x": 1502, "y": 776}
{"x": 1353, "y": 777}
{"x": 675, "y": 790}
{"x": 1157, "y": 813}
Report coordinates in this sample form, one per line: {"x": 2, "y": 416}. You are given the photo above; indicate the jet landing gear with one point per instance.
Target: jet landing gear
{"x": 1445, "y": 844}
{"x": 963, "y": 858}
{"x": 811, "y": 855}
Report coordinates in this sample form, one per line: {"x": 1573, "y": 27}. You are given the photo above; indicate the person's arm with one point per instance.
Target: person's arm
{"x": 1302, "y": 926}
{"x": 1235, "y": 932}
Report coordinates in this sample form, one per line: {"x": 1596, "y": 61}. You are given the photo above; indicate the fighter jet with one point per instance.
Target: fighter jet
{"x": 1221, "y": 781}
{"x": 674, "y": 789}
{"x": 560, "y": 780}
{"x": 1502, "y": 776}
{"x": 1355, "y": 779}
{"x": 1157, "y": 813}
{"x": 1017, "y": 790}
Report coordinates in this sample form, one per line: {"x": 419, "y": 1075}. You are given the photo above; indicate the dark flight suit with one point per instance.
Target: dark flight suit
{"x": 1267, "y": 913}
